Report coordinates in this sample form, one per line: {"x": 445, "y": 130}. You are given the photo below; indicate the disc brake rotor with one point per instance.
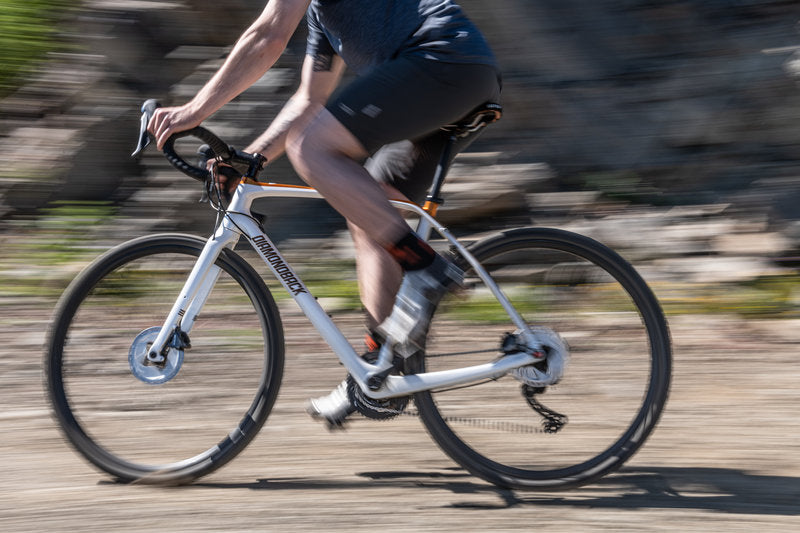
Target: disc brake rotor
{"x": 151, "y": 373}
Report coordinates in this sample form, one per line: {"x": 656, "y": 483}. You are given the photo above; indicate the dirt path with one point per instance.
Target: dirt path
{"x": 724, "y": 458}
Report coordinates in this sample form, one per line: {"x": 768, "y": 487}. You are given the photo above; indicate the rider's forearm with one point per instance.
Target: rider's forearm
{"x": 315, "y": 88}
{"x": 272, "y": 143}
{"x": 253, "y": 54}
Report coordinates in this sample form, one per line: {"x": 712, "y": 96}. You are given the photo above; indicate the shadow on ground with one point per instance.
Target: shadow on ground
{"x": 713, "y": 489}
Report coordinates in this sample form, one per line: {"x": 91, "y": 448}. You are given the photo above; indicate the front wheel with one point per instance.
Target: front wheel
{"x": 175, "y": 422}
{"x": 613, "y": 388}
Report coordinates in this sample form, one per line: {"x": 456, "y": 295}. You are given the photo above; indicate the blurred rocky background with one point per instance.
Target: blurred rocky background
{"x": 667, "y": 129}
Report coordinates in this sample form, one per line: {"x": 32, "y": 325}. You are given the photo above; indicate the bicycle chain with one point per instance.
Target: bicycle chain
{"x": 482, "y": 423}
{"x": 385, "y": 410}
{"x": 371, "y": 408}
{"x": 552, "y": 422}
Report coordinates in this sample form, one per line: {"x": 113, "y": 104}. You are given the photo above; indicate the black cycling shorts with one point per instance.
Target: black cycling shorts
{"x": 396, "y": 110}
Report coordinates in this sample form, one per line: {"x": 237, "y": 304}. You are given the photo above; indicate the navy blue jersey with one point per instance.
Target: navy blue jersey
{"x": 366, "y": 33}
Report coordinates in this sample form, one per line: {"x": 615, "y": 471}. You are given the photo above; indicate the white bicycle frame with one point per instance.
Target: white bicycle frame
{"x": 237, "y": 223}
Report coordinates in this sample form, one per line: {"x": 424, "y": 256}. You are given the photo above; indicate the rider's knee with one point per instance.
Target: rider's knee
{"x": 308, "y": 146}
{"x": 297, "y": 146}
{"x": 321, "y": 139}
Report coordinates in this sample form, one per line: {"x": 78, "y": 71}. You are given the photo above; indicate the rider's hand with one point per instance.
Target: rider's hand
{"x": 167, "y": 121}
{"x": 226, "y": 180}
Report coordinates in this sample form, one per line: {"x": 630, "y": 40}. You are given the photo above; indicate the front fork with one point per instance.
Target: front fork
{"x": 195, "y": 292}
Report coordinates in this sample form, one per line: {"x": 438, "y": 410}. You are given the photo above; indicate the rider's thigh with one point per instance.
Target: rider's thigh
{"x": 410, "y": 97}
{"x": 409, "y": 166}
{"x": 324, "y": 135}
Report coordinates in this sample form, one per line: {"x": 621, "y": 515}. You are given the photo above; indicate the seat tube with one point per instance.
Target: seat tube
{"x": 434, "y": 199}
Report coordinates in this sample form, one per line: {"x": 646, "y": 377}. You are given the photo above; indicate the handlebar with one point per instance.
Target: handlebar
{"x": 247, "y": 164}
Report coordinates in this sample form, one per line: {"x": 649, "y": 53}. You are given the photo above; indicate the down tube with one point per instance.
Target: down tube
{"x": 356, "y": 366}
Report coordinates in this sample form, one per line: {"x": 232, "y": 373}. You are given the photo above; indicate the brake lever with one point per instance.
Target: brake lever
{"x": 148, "y": 108}
{"x": 204, "y": 154}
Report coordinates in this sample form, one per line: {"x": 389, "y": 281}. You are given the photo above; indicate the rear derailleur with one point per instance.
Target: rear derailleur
{"x": 553, "y": 421}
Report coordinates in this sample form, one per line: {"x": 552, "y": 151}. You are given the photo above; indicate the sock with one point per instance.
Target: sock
{"x": 371, "y": 342}
{"x": 412, "y": 252}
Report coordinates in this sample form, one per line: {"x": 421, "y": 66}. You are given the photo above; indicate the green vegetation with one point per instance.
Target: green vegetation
{"x": 69, "y": 225}
{"x": 331, "y": 280}
{"x": 40, "y": 259}
{"x": 765, "y": 297}
{"x": 482, "y": 307}
{"x": 27, "y": 33}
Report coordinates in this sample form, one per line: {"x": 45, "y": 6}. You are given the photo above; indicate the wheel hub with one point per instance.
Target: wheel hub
{"x": 550, "y": 370}
{"x": 143, "y": 369}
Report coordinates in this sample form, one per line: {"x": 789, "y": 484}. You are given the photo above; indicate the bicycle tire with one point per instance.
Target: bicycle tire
{"x": 599, "y": 304}
{"x": 191, "y": 425}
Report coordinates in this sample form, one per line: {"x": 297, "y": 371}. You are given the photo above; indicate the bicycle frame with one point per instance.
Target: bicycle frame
{"x": 237, "y": 223}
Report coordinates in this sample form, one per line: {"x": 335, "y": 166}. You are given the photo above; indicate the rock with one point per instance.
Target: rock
{"x": 474, "y": 192}
{"x": 609, "y": 105}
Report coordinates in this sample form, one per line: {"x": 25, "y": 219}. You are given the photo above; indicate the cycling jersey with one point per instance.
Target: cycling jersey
{"x": 368, "y": 33}
{"x": 420, "y": 64}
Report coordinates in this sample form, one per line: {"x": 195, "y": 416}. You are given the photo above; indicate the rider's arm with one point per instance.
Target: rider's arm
{"x": 254, "y": 53}
{"x": 318, "y": 80}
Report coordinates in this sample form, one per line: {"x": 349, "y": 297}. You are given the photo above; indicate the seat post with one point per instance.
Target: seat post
{"x": 481, "y": 116}
{"x": 434, "y": 199}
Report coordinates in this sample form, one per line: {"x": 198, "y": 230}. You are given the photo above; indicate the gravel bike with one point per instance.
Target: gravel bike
{"x": 546, "y": 370}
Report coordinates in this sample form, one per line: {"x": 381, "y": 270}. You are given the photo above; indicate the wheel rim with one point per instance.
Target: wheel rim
{"x": 210, "y": 410}
{"x": 609, "y": 380}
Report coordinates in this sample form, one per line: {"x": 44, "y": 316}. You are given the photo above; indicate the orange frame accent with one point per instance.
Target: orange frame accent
{"x": 250, "y": 181}
{"x": 431, "y": 208}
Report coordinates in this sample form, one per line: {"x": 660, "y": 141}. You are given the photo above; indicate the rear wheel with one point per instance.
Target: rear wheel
{"x": 170, "y": 423}
{"x": 615, "y": 383}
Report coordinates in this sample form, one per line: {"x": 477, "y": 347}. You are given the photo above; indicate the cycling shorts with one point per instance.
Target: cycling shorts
{"x": 397, "y": 109}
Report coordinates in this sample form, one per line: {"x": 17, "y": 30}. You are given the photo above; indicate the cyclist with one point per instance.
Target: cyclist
{"x": 419, "y": 64}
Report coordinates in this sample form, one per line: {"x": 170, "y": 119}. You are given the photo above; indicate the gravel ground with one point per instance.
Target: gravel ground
{"x": 725, "y": 456}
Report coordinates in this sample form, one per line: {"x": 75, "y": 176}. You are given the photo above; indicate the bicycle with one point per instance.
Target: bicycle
{"x": 150, "y": 390}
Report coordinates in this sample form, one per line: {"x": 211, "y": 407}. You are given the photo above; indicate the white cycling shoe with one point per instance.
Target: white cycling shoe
{"x": 419, "y": 294}
{"x": 333, "y": 408}
{"x": 407, "y": 326}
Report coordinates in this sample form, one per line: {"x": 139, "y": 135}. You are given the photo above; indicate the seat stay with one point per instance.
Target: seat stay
{"x": 430, "y": 224}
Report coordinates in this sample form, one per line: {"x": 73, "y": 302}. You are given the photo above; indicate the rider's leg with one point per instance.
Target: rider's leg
{"x": 324, "y": 153}
{"x": 379, "y": 274}
{"x": 406, "y": 99}
{"x": 379, "y": 277}
{"x": 327, "y": 156}
{"x": 406, "y": 169}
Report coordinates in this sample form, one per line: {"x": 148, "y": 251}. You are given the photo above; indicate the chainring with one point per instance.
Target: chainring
{"x": 370, "y": 407}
